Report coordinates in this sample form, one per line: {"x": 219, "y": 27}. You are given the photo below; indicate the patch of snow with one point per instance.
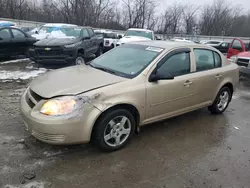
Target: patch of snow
{"x": 59, "y": 34}
{"x": 29, "y": 185}
{"x": 237, "y": 128}
{"x": 14, "y": 61}
{"x": 22, "y": 75}
{"x": 52, "y": 154}
{"x": 39, "y": 163}
{"x": 6, "y": 170}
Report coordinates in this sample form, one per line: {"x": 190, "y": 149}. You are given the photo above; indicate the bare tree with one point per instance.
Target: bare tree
{"x": 189, "y": 18}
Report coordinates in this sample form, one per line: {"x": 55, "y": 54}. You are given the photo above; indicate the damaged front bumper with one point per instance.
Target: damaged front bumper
{"x": 58, "y": 130}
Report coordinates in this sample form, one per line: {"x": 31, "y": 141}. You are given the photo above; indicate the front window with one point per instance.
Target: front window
{"x": 146, "y": 34}
{"x": 128, "y": 60}
{"x": 64, "y": 31}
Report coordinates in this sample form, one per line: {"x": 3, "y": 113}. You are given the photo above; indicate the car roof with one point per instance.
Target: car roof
{"x": 59, "y": 25}
{"x": 171, "y": 44}
{"x": 139, "y": 29}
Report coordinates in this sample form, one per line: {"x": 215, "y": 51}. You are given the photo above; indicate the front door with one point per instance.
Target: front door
{"x": 93, "y": 41}
{"x": 5, "y": 43}
{"x": 19, "y": 41}
{"x": 235, "y": 48}
{"x": 166, "y": 98}
{"x": 87, "y": 45}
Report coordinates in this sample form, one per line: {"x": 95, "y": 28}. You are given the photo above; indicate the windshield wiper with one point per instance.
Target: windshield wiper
{"x": 104, "y": 69}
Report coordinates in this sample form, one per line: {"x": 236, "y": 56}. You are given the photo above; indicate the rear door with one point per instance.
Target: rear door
{"x": 208, "y": 74}
{"x": 235, "y": 48}
{"x": 5, "y": 43}
{"x": 19, "y": 41}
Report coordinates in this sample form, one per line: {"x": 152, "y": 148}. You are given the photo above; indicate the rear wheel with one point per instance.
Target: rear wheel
{"x": 221, "y": 102}
{"x": 114, "y": 130}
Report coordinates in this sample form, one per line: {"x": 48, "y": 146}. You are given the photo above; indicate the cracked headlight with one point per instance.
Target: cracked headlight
{"x": 62, "y": 105}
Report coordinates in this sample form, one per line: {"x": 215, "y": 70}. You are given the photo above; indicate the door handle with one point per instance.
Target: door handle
{"x": 188, "y": 83}
{"x": 218, "y": 76}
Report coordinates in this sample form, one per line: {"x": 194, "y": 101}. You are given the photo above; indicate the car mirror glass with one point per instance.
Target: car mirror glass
{"x": 159, "y": 76}
{"x": 85, "y": 38}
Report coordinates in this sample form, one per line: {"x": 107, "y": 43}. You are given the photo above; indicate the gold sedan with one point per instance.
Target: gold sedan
{"x": 133, "y": 85}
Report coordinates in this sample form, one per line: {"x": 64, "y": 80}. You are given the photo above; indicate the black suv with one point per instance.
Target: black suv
{"x": 72, "y": 46}
{"x": 14, "y": 42}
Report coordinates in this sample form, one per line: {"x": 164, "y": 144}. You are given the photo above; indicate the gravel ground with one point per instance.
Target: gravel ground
{"x": 194, "y": 150}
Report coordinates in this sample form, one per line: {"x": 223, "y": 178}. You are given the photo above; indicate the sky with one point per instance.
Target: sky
{"x": 242, "y": 3}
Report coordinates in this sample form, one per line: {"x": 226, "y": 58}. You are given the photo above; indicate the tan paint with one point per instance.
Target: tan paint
{"x": 154, "y": 101}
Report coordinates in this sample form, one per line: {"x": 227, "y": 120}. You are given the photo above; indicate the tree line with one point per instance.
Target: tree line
{"x": 218, "y": 18}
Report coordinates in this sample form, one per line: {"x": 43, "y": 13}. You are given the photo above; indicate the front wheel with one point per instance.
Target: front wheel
{"x": 114, "y": 130}
{"x": 221, "y": 102}
{"x": 79, "y": 60}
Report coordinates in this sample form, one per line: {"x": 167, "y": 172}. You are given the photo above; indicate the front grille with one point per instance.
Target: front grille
{"x": 51, "y": 51}
{"x": 32, "y": 98}
{"x": 48, "y": 137}
{"x": 243, "y": 62}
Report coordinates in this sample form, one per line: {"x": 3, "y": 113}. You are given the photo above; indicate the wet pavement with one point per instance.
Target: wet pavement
{"x": 193, "y": 150}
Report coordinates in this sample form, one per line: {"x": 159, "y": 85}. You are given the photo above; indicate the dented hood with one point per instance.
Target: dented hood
{"x": 71, "y": 81}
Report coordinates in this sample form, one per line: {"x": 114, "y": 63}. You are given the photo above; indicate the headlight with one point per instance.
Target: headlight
{"x": 234, "y": 59}
{"x": 62, "y": 106}
{"x": 73, "y": 45}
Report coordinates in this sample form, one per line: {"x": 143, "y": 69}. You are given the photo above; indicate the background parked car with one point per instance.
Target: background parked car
{"x": 27, "y": 29}
{"x": 240, "y": 54}
{"x": 135, "y": 34}
{"x": 77, "y": 44}
{"x": 222, "y": 46}
{"x": 14, "y": 41}
{"x": 109, "y": 39}
{"x": 237, "y": 46}
{"x": 212, "y": 42}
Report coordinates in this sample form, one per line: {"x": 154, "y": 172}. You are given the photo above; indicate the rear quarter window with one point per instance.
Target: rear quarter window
{"x": 206, "y": 59}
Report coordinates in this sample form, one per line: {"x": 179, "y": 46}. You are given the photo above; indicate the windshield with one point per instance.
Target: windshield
{"x": 67, "y": 31}
{"x": 147, "y": 34}
{"x": 128, "y": 61}
{"x": 106, "y": 35}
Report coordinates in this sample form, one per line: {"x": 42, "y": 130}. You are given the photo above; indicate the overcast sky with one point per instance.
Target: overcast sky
{"x": 243, "y": 3}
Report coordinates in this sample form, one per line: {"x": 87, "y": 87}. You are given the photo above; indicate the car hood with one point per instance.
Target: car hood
{"x": 72, "y": 81}
{"x": 127, "y": 39}
{"x": 56, "y": 42}
{"x": 244, "y": 54}
{"x": 54, "y": 34}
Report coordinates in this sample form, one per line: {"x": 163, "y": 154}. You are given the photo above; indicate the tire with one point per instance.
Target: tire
{"x": 80, "y": 60}
{"x": 99, "y": 51}
{"x": 221, "y": 103}
{"x": 110, "y": 125}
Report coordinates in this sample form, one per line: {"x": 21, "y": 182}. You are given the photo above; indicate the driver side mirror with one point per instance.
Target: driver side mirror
{"x": 119, "y": 36}
{"x": 159, "y": 76}
{"x": 85, "y": 38}
{"x": 36, "y": 32}
{"x": 157, "y": 38}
